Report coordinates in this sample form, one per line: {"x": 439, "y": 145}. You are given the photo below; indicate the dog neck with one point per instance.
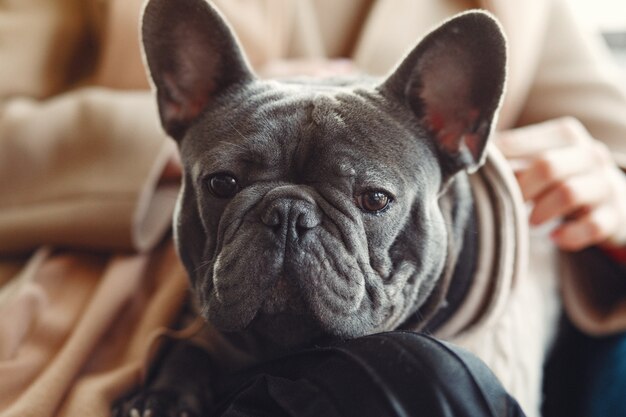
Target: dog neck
{"x": 459, "y": 210}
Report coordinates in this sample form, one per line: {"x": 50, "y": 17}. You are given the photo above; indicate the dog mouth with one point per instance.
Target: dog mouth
{"x": 318, "y": 279}
{"x": 298, "y": 292}
{"x": 283, "y": 298}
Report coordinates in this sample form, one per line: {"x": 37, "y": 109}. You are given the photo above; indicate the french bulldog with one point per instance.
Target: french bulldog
{"x": 316, "y": 209}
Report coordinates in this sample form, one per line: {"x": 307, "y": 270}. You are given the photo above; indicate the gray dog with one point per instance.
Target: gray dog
{"x": 317, "y": 209}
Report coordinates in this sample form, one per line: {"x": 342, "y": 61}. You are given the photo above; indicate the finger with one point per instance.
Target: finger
{"x": 531, "y": 140}
{"x": 568, "y": 197}
{"x": 593, "y": 228}
{"x": 552, "y": 167}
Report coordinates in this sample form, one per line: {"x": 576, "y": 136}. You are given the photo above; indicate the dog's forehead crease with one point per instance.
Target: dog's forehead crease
{"x": 341, "y": 138}
{"x": 249, "y": 126}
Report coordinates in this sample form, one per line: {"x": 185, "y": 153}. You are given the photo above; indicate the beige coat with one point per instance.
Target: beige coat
{"x": 85, "y": 285}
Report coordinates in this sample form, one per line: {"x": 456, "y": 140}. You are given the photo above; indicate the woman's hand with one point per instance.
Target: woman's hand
{"x": 571, "y": 177}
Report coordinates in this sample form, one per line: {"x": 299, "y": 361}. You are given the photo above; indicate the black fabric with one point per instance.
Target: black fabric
{"x": 388, "y": 374}
{"x": 565, "y": 377}
{"x": 571, "y": 369}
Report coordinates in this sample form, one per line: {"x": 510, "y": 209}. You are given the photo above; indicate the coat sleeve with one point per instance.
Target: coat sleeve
{"x": 82, "y": 169}
{"x": 576, "y": 77}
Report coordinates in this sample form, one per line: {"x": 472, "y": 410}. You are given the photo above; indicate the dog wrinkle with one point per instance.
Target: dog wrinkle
{"x": 229, "y": 223}
{"x": 345, "y": 235}
{"x": 324, "y": 111}
{"x": 322, "y": 295}
{"x": 226, "y": 271}
{"x": 201, "y": 293}
{"x": 348, "y": 210}
{"x": 409, "y": 294}
{"x": 236, "y": 266}
{"x": 338, "y": 265}
{"x": 230, "y": 231}
{"x": 340, "y": 287}
{"x": 400, "y": 278}
{"x": 217, "y": 289}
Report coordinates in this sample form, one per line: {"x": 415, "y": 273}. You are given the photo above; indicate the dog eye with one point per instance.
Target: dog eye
{"x": 223, "y": 185}
{"x": 374, "y": 201}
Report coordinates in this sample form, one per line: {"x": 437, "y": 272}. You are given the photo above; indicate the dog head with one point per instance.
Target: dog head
{"x": 310, "y": 208}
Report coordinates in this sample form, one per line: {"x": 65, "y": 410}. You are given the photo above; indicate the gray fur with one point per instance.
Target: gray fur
{"x": 291, "y": 257}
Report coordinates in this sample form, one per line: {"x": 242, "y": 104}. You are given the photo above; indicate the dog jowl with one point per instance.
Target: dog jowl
{"x": 311, "y": 208}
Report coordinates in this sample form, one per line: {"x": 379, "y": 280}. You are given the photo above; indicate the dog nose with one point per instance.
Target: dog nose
{"x": 293, "y": 217}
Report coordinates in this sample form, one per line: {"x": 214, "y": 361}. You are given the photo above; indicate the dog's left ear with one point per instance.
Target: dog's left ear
{"x": 453, "y": 81}
{"x": 192, "y": 55}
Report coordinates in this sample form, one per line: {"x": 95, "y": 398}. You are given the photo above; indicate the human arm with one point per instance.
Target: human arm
{"x": 575, "y": 93}
{"x": 573, "y": 138}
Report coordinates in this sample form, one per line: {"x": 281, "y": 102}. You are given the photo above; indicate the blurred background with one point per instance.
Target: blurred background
{"x": 609, "y": 17}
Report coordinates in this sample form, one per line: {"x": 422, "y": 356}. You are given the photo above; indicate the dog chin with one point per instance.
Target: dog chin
{"x": 284, "y": 332}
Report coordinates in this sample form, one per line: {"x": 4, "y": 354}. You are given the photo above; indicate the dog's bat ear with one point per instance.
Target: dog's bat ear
{"x": 192, "y": 55}
{"x": 453, "y": 81}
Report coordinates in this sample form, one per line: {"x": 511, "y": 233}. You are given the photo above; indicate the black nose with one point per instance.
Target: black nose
{"x": 291, "y": 217}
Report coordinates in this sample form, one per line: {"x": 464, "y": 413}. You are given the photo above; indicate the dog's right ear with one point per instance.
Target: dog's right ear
{"x": 192, "y": 56}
